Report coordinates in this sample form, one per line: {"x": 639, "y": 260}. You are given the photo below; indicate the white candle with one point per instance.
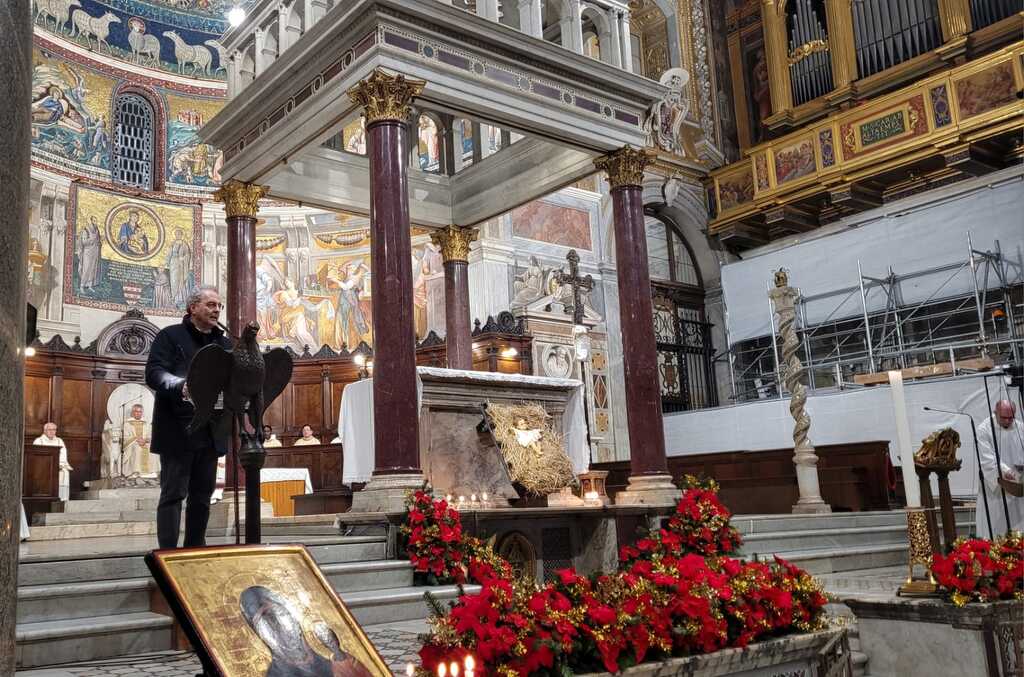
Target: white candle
{"x": 904, "y": 448}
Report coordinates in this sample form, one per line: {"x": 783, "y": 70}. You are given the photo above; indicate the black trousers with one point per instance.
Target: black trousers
{"x": 185, "y": 474}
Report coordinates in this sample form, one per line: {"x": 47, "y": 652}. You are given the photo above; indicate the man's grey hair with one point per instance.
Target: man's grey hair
{"x": 197, "y": 295}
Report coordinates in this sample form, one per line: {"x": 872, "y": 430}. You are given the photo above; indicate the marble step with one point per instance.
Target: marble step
{"x": 125, "y": 493}
{"x": 67, "y": 601}
{"x": 82, "y": 639}
{"x": 400, "y": 604}
{"x": 52, "y": 570}
{"x": 347, "y": 577}
{"x": 92, "y": 530}
{"x": 105, "y": 505}
{"x": 89, "y": 638}
{"x": 61, "y": 518}
{"x": 830, "y": 560}
{"x": 783, "y": 541}
{"x": 755, "y": 524}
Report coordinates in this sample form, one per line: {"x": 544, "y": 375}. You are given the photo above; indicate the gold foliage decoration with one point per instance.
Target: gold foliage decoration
{"x": 625, "y": 167}
{"x": 386, "y": 97}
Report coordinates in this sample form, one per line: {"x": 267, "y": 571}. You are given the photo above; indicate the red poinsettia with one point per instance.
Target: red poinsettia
{"x": 980, "y": 570}
{"x": 675, "y": 593}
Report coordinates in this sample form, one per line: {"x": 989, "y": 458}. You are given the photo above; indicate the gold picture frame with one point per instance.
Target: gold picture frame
{"x": 263, "y": 611}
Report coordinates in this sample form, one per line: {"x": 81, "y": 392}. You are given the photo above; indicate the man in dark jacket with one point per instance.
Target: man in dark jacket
{"x": 188, "y": 464}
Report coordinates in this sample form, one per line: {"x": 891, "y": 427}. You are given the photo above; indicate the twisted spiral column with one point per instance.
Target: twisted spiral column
{"x": 806, "y": 461}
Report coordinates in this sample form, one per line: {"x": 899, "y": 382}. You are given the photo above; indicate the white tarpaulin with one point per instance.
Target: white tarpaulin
{"x": 864, "y": 415}
{"x": 908, "y": 235}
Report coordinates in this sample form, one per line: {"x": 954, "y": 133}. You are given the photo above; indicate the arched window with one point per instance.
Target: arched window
{"x": 668, "y": 257}
{"x": 134, "y": 147}
{"x": 685, "y": 351}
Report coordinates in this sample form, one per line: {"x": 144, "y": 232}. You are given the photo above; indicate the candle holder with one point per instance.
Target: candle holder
{"x": 921, "y": 549}
{"x": 592, "y": 487}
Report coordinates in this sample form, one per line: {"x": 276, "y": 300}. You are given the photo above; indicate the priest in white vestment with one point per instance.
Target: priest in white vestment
{"x": 49, "y": 439}
{"x": 269, "y": 438}
{"x": 130, "y": 455}
{"x": 307, "y": 437}
{"x": 1009, "y": 435}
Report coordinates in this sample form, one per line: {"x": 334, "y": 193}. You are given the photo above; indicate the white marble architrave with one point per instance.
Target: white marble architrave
{"x": 490, "y": 265}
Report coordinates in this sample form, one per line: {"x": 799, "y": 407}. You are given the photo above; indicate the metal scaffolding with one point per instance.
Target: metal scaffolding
{"x": 945, "y": 327}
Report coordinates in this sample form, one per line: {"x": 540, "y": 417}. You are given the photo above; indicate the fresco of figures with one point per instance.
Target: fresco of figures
{"x": 71, "y": 112}
{"x": 154, "y": 33}
{"x": 126, "y": 252}
{"x": 332, "y": 304}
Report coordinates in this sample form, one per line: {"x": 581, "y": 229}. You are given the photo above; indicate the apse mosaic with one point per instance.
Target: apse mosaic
{"x": 70, "y": 111}
{"x": 71, "y": 120}
{"x": 180, "y": 36}
{"x": 188, "y": 160}
{"x": 126, "y": 252}
{"x": 330, "y": 302}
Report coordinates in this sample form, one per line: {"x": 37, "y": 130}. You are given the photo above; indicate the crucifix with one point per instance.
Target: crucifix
{"x": 579, "y": 284}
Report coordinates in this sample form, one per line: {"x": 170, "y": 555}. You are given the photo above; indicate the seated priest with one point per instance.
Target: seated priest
{"x": 269, "y": 438}
{"x": 307, "y": 437}
{"x": 49, "y": 439}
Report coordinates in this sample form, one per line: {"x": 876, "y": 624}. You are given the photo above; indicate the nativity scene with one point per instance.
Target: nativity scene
{"x": 484, "y": 338}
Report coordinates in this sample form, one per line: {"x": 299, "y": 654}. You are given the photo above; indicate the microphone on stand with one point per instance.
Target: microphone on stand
{"x": 977, "y": 456}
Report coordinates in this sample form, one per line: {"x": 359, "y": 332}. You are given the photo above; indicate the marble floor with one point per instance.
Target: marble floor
{"x": 398, "y": 644}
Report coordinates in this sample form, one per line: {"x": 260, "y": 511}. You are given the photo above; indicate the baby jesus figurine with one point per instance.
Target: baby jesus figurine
{"x": 528, "y": 437}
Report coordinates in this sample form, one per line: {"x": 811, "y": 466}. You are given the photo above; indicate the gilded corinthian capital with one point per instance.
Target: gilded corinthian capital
{"x": 386, "y": 97}
{"x": 454, "y": 242}
{"x": 240, "y": 199}
{"x": 625, "y": 167}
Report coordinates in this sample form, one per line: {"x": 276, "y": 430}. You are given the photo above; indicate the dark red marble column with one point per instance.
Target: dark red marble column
{"x": 240, "y": 207}
{"x": 639, "y": 354}
{"x": 386, "y": 100}
{"x": 454, "y": 243}
{"x": 241, "y": 297}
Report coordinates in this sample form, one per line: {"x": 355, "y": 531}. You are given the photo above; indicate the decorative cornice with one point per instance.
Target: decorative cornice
{"x": 240, "y": 199}
{"x": 432, "y": 340}
{"x": 454, "y": 242}
{"x": 625, "y": 167}
{"x": 506, "y": 323}
{"x": 386, "y": 97}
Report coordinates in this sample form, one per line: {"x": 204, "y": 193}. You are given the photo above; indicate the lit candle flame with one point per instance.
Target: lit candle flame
{"x": 442, "y": 670}
{"x": 453, "y": 670}
{"x": 469, "y": 664}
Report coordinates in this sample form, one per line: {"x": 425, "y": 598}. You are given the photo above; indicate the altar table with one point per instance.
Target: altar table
{"x": 355, "y": 420}
{"x": 278, "y": 485}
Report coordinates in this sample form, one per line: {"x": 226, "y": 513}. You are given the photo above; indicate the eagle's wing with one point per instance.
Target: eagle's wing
{"x": 277, "y": 373}
{"x": 208, "y": 376}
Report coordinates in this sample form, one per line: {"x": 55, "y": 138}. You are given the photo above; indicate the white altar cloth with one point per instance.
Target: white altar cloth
{"x": 268, "y": 475}
{"x": 355, "y": 420}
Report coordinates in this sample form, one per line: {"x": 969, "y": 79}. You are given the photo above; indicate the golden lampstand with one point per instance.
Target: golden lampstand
{"x": 921, "y": 550}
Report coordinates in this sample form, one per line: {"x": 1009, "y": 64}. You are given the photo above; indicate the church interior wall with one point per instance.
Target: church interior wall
{"x": 302, "y": 253}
